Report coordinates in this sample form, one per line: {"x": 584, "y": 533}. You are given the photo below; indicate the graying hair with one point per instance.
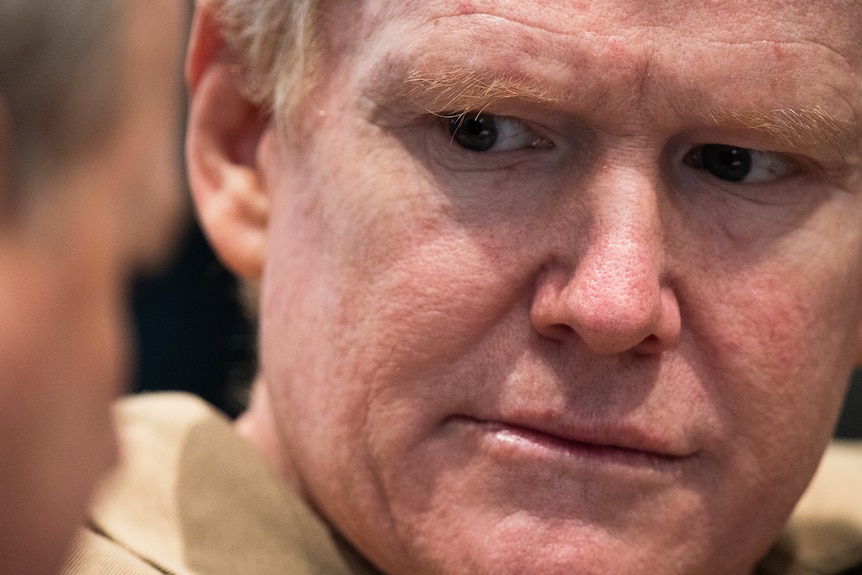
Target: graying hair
{"x": 58, "y": 79}
{"x": 276, "y": 42}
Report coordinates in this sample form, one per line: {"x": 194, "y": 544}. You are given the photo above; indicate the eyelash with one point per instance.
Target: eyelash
{"x": 736, "y": 164}
{"x": 482, "y": 133}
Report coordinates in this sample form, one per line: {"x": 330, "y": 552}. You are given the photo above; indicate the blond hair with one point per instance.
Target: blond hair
{"x": 276, "y": 43}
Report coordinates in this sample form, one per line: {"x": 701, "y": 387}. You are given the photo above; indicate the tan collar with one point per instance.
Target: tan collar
{"x": 194, "y": 498}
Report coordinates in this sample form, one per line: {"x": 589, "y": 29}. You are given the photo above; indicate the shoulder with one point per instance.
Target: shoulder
{"x": 135, "y": 526}
{"x": 192, "y": 497}
{"x": 94, "y": 553}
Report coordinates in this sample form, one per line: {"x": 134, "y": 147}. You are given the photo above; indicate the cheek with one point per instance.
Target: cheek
{"x": 384, "y": 304}
{"x": 777, "y": 346}
{"x": 389, "y": 293}
{"x": 391, "y": 273}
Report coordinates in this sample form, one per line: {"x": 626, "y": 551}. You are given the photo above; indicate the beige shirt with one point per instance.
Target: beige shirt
{"x": 193, "y": 498}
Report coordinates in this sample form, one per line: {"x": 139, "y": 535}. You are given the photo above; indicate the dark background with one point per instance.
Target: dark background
{"x": 851, "y": 420}
{"x": 193, "y": 335}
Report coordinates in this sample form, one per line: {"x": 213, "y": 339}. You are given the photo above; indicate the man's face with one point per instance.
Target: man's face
{"x": 66, "y": 262}
{"x": 566, "y": 287}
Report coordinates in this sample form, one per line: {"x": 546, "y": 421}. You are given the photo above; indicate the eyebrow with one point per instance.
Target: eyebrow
{"x": 798, "y": 128}
{"x": 458, "y": 89}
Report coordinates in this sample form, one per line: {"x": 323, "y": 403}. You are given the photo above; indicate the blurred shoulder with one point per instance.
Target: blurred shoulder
{"x": 192, "y": 497}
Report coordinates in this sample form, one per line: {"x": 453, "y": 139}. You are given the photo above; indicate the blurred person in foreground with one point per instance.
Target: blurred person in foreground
{"x": 89, "y": 188}
{"x": 546, "y": 288}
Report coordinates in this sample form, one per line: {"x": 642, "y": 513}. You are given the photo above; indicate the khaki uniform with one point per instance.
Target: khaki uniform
{"x": 193, "y": 498}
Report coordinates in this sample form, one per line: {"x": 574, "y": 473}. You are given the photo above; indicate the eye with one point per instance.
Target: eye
{"x": 735, "y": 164}
{"x": 489, "y": 133}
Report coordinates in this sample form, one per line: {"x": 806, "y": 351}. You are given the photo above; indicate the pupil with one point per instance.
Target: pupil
{"x": 726, "y": 162}
{"x": 476, "y": 133}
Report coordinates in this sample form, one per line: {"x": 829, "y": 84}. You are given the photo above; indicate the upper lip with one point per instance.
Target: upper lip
{"x": 616, "y": 435}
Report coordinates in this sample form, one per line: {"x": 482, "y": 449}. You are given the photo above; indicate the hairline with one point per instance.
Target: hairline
{"x": 276, "y": 44}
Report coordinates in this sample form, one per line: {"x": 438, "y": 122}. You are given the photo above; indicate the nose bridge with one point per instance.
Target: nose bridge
{"x": 621, "y": 258}
{"x": 612, "y": 297}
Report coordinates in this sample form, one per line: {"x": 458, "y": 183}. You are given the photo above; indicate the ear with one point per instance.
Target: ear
{"x": 224, "y": 131}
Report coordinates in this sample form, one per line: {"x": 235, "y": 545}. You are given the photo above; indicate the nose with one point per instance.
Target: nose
{"x": 607, "y": 287}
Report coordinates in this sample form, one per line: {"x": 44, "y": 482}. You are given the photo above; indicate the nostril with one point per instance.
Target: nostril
{"x": 607, "y": 322}
{"x": 557, "y": 332}
{"x": 649, "y": 346}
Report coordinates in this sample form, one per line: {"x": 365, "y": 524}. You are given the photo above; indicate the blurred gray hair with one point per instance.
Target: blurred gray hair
{"x": 59, "y": 64}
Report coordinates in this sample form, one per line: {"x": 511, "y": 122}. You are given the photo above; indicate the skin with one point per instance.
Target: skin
{"x": 587, "y": 354}
{"x": 64, "y": 332}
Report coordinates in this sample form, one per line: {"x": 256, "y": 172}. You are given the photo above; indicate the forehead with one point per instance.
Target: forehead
{"x": 834, "y": 22}
{"x": 559, "y": 30}
{"x": 759, "y": 54}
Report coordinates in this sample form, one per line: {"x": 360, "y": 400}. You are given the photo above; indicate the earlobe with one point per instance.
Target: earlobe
{"x": 225, "y": 130}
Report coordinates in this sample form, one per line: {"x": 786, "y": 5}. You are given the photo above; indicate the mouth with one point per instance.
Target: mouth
{"x": 613, "y": 446}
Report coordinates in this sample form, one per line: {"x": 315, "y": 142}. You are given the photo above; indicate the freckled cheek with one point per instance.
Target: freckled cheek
{"x": 780, "y": 329}
{"x": 439, "y": 299}
{"x": 414, "y": 282}
{"x": 776, "y": 351}
{"x": 401, "y": 252}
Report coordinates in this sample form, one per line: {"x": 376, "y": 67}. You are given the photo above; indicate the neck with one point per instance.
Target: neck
{"x": 259, "y": 427}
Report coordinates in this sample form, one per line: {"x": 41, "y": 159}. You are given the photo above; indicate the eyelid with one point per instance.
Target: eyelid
{"x": 514, "y": 133}
{"x": 825, "y": 161}
{"x": 766, "y": 166}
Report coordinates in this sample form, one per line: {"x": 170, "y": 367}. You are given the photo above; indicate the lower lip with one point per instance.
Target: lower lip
{"x": 510, "y": 441}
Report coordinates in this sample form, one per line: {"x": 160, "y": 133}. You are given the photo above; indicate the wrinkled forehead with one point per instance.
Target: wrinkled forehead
{"x": 833, "y": 24}
{"x": 732, "y": 20}
{"x": 789, "y": 54}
